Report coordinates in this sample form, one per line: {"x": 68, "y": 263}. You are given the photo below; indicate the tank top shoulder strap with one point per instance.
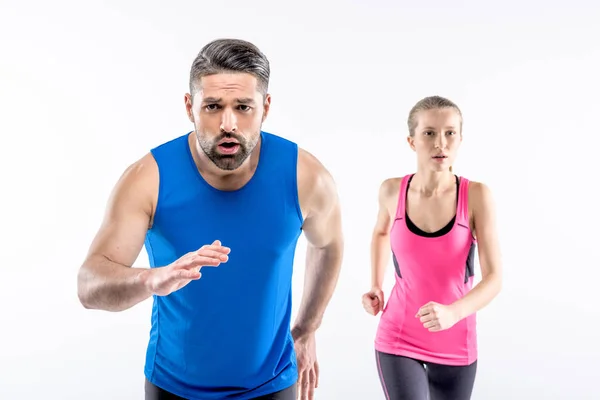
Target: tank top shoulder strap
{"x": 401, "y": 204}
{"x": 462, "y": 212}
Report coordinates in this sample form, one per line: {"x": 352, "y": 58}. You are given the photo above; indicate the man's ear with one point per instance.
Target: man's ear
{"x": 266, "y": 107}
{"x": 189, "y": 106}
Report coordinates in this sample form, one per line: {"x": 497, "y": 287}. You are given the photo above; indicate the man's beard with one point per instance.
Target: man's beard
{"x": 227, "y": 162}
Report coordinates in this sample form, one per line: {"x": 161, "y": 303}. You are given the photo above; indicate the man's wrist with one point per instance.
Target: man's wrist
{"x": 143, "y": 279}
{"x": 302, "y": 331}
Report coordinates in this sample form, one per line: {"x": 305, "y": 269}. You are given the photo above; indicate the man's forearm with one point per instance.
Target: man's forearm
{"x": 322, "y": 271}
{"x": 106, "y": 285}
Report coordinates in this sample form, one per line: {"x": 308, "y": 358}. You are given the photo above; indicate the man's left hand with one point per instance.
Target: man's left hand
{"x": 308, "y": 367}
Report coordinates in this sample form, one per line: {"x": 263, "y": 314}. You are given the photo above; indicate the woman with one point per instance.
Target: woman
{"x": 426, "y": 342}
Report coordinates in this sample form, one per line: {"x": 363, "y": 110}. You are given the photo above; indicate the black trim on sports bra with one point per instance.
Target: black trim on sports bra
{"x": 415, "y": 229}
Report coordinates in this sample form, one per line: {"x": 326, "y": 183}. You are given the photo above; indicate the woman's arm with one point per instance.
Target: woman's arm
{"x": 373, "y": 301}
{"x": 484, "y": 221}
{"x": 380, "y": 240}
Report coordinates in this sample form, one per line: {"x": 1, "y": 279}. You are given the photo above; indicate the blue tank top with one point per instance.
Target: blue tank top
{"x": 226, "y": 335}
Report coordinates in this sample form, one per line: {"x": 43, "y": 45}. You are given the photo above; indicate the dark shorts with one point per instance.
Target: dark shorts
{"x": 404, "y": 378}
{"x": 153, "y": 392}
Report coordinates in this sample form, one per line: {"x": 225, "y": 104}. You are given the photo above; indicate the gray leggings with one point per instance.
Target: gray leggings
{"x": 404, "y": 378}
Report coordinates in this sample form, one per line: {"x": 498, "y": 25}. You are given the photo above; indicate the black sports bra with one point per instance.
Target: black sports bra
{"x": 415, "y": 229}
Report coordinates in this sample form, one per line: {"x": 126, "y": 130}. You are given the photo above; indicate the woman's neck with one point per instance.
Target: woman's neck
{"x": 431, "y": 183}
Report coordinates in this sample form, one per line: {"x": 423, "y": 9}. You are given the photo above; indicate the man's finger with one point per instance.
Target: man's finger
{"x": 212, "y": 247}
{"x": 304, "y": 387}
{"x": 312, "y": 384}
{"x": 299, "y": 385}
{"x": 212, "y": 254}
{"x": 316, "y": 374}
{"x": 187, "y": 274}
{"x": 199, "y": 261}
{"x": 213, "y": 244}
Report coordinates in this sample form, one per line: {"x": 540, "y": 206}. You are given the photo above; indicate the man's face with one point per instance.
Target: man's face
{"x": 227, "y": 112}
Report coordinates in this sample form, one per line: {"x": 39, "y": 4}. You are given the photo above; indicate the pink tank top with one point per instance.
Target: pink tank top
{"x": 428, "y": 269}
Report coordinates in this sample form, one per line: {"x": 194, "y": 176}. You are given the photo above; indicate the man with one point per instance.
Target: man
{"x": 220, "y": 211}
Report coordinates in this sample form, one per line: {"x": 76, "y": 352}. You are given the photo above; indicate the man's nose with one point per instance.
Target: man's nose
{"x": 228, "y": 121}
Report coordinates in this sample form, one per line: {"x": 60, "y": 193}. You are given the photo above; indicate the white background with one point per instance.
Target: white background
{"x": 88, "y": 87}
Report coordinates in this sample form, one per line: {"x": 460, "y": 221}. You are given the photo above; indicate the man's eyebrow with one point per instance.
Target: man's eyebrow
{"x": 242, "y": 100}
{"x": 211, "y": 100}
{"x": 245, "y": 100}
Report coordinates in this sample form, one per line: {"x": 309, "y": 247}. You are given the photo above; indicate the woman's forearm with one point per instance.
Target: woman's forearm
{"x": 479, "y": 297}
{"x": 380, "y": 256}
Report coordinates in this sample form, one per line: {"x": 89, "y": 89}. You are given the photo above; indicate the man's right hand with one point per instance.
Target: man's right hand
{"x": 373, "y": 301}
{"x": 163, "y": 281}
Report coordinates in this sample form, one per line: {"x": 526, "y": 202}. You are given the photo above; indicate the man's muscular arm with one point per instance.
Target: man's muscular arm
{"x": 323, "y": 230}
{"x": 106, "y": 279}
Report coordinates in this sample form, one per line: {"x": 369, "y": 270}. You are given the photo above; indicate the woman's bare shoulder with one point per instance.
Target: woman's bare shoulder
{"x": 390, "y": 187}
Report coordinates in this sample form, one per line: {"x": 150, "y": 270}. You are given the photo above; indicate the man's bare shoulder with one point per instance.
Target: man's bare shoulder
{"x": 312, "y": 174}
{"x": 142, "y": 174}
{"x": 137, "y": 187}
{"x": 316, "y": 186}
